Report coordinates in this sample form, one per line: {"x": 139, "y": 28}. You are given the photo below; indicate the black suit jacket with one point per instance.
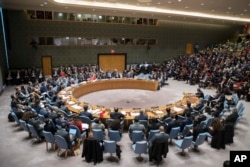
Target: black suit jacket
{"x": 158, "y": 147}
{"x": 92, "y": 151}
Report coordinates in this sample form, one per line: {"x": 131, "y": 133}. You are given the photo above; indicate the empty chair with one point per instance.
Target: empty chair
{"x": 199, "y": 140}
{"x": 114, "y": 135}
{"x": 140, "y": 147}
{"x": 137, "y": 136}
{"x": 110, "y": 147}
{"x": 174, "y": 133}
{"x": 209, "y": 121}
{"x": 151, "y": 133}
{"x": 49, "y": 138}
{"x": 61, "y": 144}
{"x": 98, "y": 134}
{"x": 184, "y": 143}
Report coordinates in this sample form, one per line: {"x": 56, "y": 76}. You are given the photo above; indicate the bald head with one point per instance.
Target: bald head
{"x": 161, "y": 128}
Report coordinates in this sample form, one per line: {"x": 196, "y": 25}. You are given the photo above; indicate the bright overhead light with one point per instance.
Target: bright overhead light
{"x": 149, "y": 9}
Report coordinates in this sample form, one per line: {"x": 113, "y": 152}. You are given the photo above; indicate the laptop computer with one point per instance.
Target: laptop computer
{"x": 72, "y": 132}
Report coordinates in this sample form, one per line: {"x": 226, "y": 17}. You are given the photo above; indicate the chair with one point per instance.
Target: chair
{"x": 137, "y": 136}
{"x": 61, "y": 144}
{"x": 34, "y": 132}
{"x": 152, "y": 132}
{"x": 41, "y": 118}
{"x": 237, "y": 121}
{"x": 109, "y": 147}
{"x": 199, "y": 140}
{"x": 140, "y": 147}
{"x": 174, "y": 133}
{"x": 86, "y": 120}
{"x": 16, "y": 118}
{"x": 49, "y": 138}
{"x": 24, "y": 126}
{"x": 185, "y": 130}
{"x": 184, "y": 143}
{"x": 209, "y": 121}
{"x": 114, "y": 135}
{"x": 98, "y": 134}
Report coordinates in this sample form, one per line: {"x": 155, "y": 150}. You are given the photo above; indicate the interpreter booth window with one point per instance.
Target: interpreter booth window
{"x": 59, "y": 16}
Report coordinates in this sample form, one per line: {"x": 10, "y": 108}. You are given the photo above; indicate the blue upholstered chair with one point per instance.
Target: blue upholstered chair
{"x": 24, "y": 126}
{"x": 137, "y": 136}
{"x": 140, "y": 147}
{"x": 185, "y": 130}
{"x": 174, "y": 133}
{"x": 98, "y": 134}
{"x": 114, "y": 135}
{"x": 34, "y": 132}
{"x": 184, "y": 143}
{"x": 49, "y": 138}
{"x": 16, "y": 118}
{"x": 61, "y": 144}
{"x": 79, "y": 134}
{"x": 152, "y": 132}
{"x": 109, "y": 147}
{"x": 199, "y": 140}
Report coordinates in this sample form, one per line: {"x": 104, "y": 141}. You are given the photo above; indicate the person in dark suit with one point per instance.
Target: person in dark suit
{"x": 158, "y": 145}
{"x": 86, "y": 113}
{"x": 172, "y": 124}
{"x": 49, "y": 126}
{"x": 116, "y": 114}
{"x": 142, "y": 116}
{"x": 232, "y": 117}
{"x": 199, "y": 93}
{"x": 188, "y": 109}
{"x": 65, "y": 134}
{"x": 153, "y": 125}
{"x": 187, "y": 121}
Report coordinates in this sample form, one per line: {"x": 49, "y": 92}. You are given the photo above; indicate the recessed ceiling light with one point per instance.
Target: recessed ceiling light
{"x": 179, "y": 0}
{"x": 169, "y": 2}
{"x": 45, "y": 3}
{"x": 229, "y": 8}
{"x": 158, "y": 3}
{"x": 186, "y": 7}
{"x": 41, "y": 5}
{"x": 202, "y": 4}
{"x": 245, "y": 10}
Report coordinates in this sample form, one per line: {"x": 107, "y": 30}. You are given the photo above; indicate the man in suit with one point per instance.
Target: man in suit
{"x": 172, "y": 124}
{"x": 116, "y": 114}
{"x": 142, "y": 116}
{"x": 65, "y": 134}
{"x": 187, "y": 121}
{"x": 158, "y": 145}
{"x": 86, "y": 113}
{"x": 136, "y": 126}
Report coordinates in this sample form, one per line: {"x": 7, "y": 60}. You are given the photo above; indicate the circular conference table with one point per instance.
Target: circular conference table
{"x": 72, "y": 93}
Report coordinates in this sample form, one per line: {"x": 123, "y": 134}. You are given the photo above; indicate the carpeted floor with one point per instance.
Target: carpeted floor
{"x": 17, "y": 150}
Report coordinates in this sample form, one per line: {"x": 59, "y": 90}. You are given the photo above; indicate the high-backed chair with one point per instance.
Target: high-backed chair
{"x": 184, "y": 143}
{"x": 199, "y": 140}
{"x": 140, "y": 147}
{"x": 109, "y": 147}
{"x": 98, "y": 134}
{"x": 23, "y": 124}
{"x": 61, "y": 144}
{"x": 85, "y": 120}
{"x": 49, "y": 138}
{"x": 16, "y": 118}
{"x": 151, "y": 133}
{"x": 185, "y": 130}
{"x": 114, "y": 135}
{"x": 34, "y": 132}
{"x": 174, "y": 133}
{"x": 137, "y": 136}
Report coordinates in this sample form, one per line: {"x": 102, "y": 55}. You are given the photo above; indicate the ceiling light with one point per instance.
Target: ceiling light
{"x": 150, "y": 9}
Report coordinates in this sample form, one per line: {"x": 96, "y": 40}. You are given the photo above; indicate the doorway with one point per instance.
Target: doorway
{"x": 47, "y": 66}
